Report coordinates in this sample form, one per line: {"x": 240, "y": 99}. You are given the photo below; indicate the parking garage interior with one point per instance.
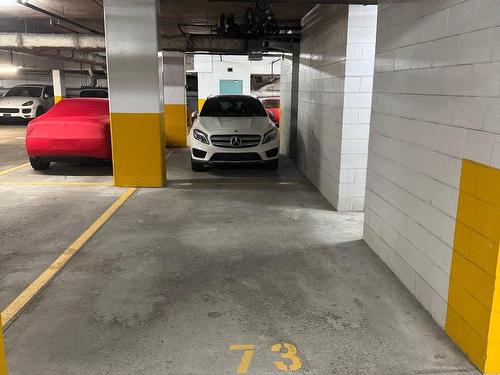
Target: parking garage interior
{"x": 373, "y": 247}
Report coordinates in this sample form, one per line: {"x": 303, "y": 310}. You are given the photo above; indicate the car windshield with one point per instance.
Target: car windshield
{"x": 273, "y": 103}
{"x": 93, "y": 94}
{"x": 34, "y": 92}
{"x": 233, "y": 106}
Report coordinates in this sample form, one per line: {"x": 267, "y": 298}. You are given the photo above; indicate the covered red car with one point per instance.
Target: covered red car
{"x": 73, "y": 129}
{"x": 272, "y": 106}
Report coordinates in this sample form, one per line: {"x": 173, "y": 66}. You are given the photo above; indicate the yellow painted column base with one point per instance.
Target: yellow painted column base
{"x": 473, "y": 317}
{"x": 3, "y": 362}
{"x": 200, "y": 104}
{"x": 176, "y": 125}
{"x": 138, "y": 144}
{"x": 57, "y": 99}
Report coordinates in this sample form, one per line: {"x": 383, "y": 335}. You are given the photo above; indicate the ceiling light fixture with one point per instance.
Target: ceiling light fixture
{"x": 9, "y": 69}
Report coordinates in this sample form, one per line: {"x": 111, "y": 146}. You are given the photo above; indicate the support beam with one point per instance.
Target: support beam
{"x": 175, "y": 99}
{"x": 135, "y": 74}
{"x": 59, "y": 84}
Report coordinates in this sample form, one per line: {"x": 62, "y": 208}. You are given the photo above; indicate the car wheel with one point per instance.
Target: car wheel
{"x": 39, "y": 111}
{"x": 197, "y": 167}
{"x": 39, "y": 164}
{"x": 272, "y": 165}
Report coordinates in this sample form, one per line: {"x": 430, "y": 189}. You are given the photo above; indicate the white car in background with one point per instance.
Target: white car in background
{"x": 26, "y": 101}
{"x": 233, "y": 129}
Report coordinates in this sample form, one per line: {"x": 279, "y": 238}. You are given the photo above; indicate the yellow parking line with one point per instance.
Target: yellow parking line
{"x": 55, "y": 183}
{"x": 13, "y": 169}
{"x": 23, "y": 300}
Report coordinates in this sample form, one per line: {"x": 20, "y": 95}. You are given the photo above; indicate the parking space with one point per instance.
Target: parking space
{"x": 12, "y": 151}
{"x": 157, "y": 290}
{"x": 249, "y": 187}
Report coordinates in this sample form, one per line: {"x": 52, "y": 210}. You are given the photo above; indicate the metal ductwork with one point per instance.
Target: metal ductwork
{"x": 71, "y": 55}
{"x": 202, "y": 43}
{"x": 80, "y": 48}
{"x": 31, "y": 43}
{"x": 28, "y": 42}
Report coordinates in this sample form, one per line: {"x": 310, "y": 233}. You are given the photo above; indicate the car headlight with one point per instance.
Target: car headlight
{"x": 28, "y": 103}
{"x": 200, "y": 136}
{"x": 270, "y": 135}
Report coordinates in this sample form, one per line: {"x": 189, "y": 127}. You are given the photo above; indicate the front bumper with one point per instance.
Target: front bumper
{"x": 209, "y": 154}
{"x": 18, "y": 112}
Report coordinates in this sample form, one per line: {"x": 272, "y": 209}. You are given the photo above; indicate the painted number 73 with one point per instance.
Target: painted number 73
{"x": 288, "y": 352}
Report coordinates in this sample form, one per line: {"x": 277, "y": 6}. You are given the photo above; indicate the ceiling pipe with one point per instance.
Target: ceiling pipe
{"x": 57, "y": 16}
{"x": 77, "y": 47}
{"x": 32, "y": 42}
{"x": 72, "y": 55}
{"x": 27, "y": 42}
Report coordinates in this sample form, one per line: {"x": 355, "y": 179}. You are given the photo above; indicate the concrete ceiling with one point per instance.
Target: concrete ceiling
{"x": 18, "y": 18}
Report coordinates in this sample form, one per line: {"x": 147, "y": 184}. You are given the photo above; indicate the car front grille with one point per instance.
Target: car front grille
{"x": 9, "y": 110}
{"x": 231, "y": 157}
{"x": 235, "y": 140}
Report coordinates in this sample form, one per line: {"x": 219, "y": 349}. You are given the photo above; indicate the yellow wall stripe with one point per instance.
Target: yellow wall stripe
{"x": 176, "y": 125}
{"x": 17, "y": 306}
{"x": 473, "y": 317}
{"x": 138, "y": 143}
{"x": 13, "y": 169}
{"x": 57, "y": 99}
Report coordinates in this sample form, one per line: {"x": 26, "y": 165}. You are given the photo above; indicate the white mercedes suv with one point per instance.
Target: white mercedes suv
{"x": 233, "y": 129}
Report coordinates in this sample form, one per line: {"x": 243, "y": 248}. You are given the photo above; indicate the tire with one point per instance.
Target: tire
{"x": 39, "y": 112}
{"x": 272, "y": 165}
{"x": 39, "y": 164}
{"x": 197, "y": 167}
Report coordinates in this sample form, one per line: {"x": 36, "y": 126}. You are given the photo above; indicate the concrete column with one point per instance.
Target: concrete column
{"x": 59, "y": 84}
{"x": 135, "y": 80}
{"x": 3, "y": 362}
{"x": 175, "y": 99}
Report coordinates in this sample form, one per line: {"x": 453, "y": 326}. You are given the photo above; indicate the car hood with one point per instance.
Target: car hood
{"x": 15, "y": 101}
{"x": 258, "y": 125}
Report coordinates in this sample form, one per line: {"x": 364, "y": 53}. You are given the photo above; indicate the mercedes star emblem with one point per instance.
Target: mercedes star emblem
{"x": 235, "y": 141}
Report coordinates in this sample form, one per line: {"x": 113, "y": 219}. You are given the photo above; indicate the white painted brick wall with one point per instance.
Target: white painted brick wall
{"x": 436, "y": 101}
{"x": 335, "y": 95}
{"x": 212, "y": 68}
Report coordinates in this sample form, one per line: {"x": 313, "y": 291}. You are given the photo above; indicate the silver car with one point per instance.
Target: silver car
{"x": 26, "y": 101}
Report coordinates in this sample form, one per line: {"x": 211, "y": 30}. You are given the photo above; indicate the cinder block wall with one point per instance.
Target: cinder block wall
{"x": 336, "y": 69}
{"x": 436, "y": 101}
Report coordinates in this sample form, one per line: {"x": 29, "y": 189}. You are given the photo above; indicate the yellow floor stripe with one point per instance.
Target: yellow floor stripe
{"x": 55, "y": 183}
{"x": 13, "y": 169}
{"x": 22, "y": 301}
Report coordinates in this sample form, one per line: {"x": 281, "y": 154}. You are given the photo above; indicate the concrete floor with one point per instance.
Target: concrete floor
{"x": 230, "y": 256}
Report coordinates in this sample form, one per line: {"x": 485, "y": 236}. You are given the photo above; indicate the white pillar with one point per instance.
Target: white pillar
{"x": 59, "y": 84}
{"x": 135, "y": 80}
{"x": 175, "y": 99}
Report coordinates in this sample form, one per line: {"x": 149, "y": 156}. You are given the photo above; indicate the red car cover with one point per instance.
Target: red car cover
{"x": 74, "y": 128}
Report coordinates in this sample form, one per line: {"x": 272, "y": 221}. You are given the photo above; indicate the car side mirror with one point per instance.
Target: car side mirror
{"x": 194, "y": 115}
{"x": 45, "y": 95}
